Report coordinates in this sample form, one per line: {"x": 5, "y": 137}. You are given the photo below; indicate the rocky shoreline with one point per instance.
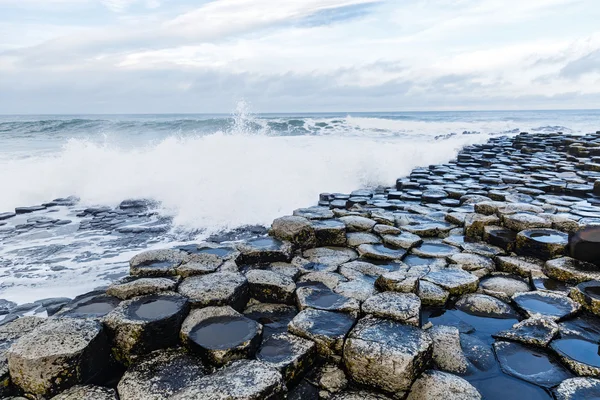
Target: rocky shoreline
{"x": 476, "y": 279}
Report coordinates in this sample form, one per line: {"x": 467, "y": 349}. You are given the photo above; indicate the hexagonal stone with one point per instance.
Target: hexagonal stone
{"x": 588, "y": 295}
{"x": 146, "y": 323}
{"x": 434, "y": 249}
{"x": 567, "y": 269}
{"x": 475, "y": 224}
{"x": 380, "y": 252}
{"x": 359, "y": 395}
{"x": 585, "y": 244}
{"x": 57, "y": 355}
{"x": 447, "y": 351}
{"x": 322, "y": 298}
{"x": 221, "y": 334}
{"x": 431, "y": 294}
{"x": 297, "y": 230}
{"x": 330, "y": 232}
{"x": 332, "y": 256}
{"x": 314, "y": 213}
{"x": 87, "y": 392}
{"x": 361, "y": 269}
{"x": 263, "y": 250}
{"x": 156, "y": 262}
{"x": 521, "y": 221}
{"x": 355, "y": 223}
{"x": 503, "y": 286}
{"x": 434, "y": 385}
{"x": 328, "y": 279}
{"x": 544, "y": 304}
{"x": 386, "y": 354}
{"x": 241, "y": 380}
{"x": 403, "y": 281}
{"x": 384, "y": 229}
{"x": 455, "y": 281}
{"x": 578, "y": 388}
{"x": 523, "y": 266}
{"x": 129, "y": 288}
{"x": 218, "y": 289}
{"x": 404, "y": 240}
{"x": 530, "y": 364}
{"x": 159, "y": 375}
{"x": 533, "y": 331}
{"x": 402, "y": 307}
{"x": 359, "y": 289}
{"x": 270, "y": 287}
{"x": 326, "y": 328}
{"x": 473, "y": 262}
{"x": 542, "y": 243}
{"x": 293, "y": 356}
{"x": 485, "y": 306}
{"x": 273, "y": 317}
{"x": 482, "y": 249}
{"x": 94, "y": 305}
{"x": 355, "y": 239}
{"x": 578, "y": 353}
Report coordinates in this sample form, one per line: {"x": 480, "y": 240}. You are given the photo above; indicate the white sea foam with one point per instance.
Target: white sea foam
{"x": 221, "y": 180}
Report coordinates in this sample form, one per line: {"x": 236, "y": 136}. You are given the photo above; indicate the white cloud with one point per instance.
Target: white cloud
{"x": 490, "y": 50}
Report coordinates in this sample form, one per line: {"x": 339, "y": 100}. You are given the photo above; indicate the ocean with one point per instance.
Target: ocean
{"x": 205, "y": 174}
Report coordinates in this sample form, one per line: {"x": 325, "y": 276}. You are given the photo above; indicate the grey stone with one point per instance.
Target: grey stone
{"x": 380, "y": 252}
{"x": 263, "y": 250}
{"x": 330, "y": 232}
{"x": 533, "y": 331}
{"x": 325, "y": 299}
{"x": 399, "y": 281}
{"x": 502, "y": 287}
{"x": 293, "y": 356}
{"x": 523, "y": 266}
{"x": 314, "y": 213}
{"x": 578, "y": 388}
{"x": 217, "y": 289}
{"x": 333, "y": 256}
{"x": 485, "y": 306}
{"x": 329, "y": 279}
{"x": 156, "y": 262}
{"x": 402, "y": 307}
{"x": 57, "y": 355}
{"x": 355, "y": 239}
{"x": 241, "y": 380}
{"x": 447, "y": 351}
{"x": 455, "y": 281}
{"x": 297, "y": 230}
{"x": 358, "y": 289}
{"x": 431, "y": 294}
{"x": 546, "y": 305}
{"x": 386, "y": 354}
{"x": 356, "y": 223}
{"x": 475, "y": 223}
{"x": 159, "y": 375}
{"x": 435, "y": 385}
{"x": 522, "y": 221}
{"x": 567, "y": 269}
{"x": 146, "y": 323}
{"x": 384, "y": 230}
{"x": 404, "y": 240}
{"x": 360, "y": 395}
{"x": 221, "y": 334}
{"x": 326, "y": 328}
{"x": 270, "y": 287}
{"x": 88, "y": 392}
{"x": 141, "y": 287}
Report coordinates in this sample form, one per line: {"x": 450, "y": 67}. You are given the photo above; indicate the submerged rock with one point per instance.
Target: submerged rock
{"x": 386, "y": 354}
{"x": 546, "y": 305}
{"x": 529, "y": 364}
{"x": 57, "y": 355}
{"x": 240, "y": 380}
{"x": 221, "y": 334}
{"x": 532, "y": 331}
{"x": 159, "y": 375}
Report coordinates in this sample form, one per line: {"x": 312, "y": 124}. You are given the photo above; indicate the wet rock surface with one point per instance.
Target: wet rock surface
{"x": 484, "y": 269}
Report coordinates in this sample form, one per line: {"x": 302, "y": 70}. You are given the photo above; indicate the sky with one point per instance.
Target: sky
{"x": 195, "y": 56}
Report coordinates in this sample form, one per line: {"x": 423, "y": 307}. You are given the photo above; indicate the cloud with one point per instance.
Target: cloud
{"x": 139, "y": 55}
